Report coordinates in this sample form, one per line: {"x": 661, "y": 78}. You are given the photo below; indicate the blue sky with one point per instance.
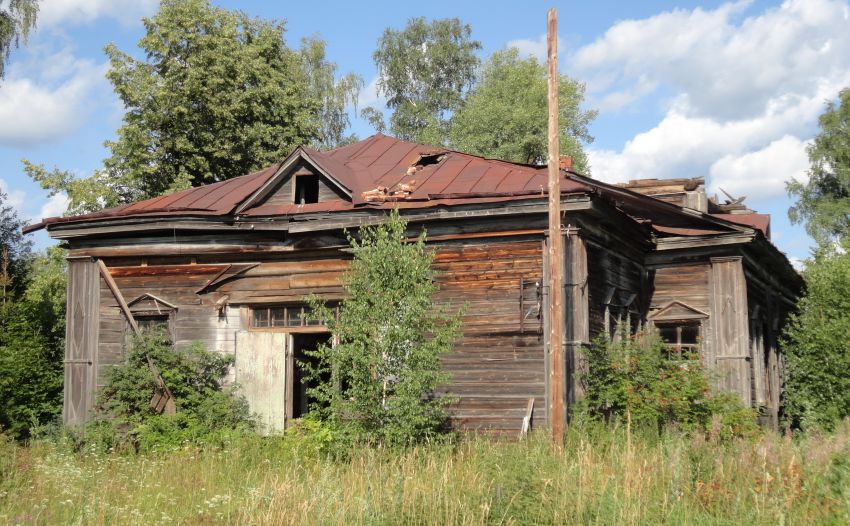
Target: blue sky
{"x": 726, "y": 90}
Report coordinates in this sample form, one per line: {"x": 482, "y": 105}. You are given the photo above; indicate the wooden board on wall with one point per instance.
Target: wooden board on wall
{"x": 81, "y": 340}
{"x": 730, "y": 327}
{"x": 261, "y": 375}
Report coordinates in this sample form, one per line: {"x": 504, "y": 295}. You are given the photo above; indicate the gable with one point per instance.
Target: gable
{"x": 676, "y": 310}
{"x": 302, "y": 185}
{"x": 148, "y": 303}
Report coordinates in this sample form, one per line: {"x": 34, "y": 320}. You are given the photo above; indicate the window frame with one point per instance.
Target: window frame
{"x": 304, "y": 325}
{"x": 675, "y": 349}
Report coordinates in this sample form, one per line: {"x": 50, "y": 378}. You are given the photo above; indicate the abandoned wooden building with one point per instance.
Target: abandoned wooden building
{"x": 230, "y": 264}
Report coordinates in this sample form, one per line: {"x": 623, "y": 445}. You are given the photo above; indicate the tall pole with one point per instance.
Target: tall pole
{"x": 556, "y": 246}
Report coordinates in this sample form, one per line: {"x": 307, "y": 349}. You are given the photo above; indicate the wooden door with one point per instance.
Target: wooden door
{"x": 261, "y": 374}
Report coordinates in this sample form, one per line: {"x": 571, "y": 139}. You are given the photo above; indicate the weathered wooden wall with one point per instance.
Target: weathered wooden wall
{"x": 498, "y": 364}
{"x": 730, "y": 329}
{"x": 496, "y": 367}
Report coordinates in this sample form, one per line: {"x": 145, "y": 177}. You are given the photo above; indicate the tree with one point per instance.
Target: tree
{"x": 32, "y": 344}
{"x": 377, "y": 383}
{"x": 817, "y": 346}
{"x": 15, "y": 250}
{"x": 823, "y": 202}
{"x": 219, "y": 94}
{"x": 17, "y": 19}
{"x": 424, "y": 71}
{"x": 505, "y": 116}
{"x": 334, "y": 94}
{"x": 32, "y": 328}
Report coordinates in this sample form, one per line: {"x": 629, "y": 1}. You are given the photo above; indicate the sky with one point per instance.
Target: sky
{"x": 730, "y": 91}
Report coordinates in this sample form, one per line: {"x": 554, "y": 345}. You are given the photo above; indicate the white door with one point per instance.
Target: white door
{"x": 261, "y": 375}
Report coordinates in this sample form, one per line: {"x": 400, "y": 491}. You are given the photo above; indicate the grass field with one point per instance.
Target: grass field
{"x": 600, "y": 477}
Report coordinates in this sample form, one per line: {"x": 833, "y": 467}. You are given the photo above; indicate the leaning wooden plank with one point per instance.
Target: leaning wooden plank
{"x": 526, "y": 420}
{"x": 162, "y": 399}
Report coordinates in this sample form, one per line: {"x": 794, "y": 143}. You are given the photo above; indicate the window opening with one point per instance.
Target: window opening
{"x": 284, "y": 316}
{"x": 680, "y": 338}
{"x": 306, "y": 189}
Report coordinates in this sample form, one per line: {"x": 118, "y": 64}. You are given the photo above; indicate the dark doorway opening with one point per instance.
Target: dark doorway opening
{"x": 301, "y": 344}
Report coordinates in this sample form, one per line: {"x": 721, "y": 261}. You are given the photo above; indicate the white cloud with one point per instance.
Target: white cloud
{"x": 535, "y": 47}
{"x": 728, "y": 68}
{"x": 15, "y": 198}
{"x": 762, "y": 172}
{"x": 747, "y": 93}
{"x": 369, "y": 96}
{"x": 55, "y": 12}
{"x": 50, "y": 101}
{"x": 55, "y": 206}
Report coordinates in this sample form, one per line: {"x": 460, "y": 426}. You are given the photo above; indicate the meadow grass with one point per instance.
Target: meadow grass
{"x": 600, "y": 476}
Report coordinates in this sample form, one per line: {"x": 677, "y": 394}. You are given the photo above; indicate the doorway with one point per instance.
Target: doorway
{"x": 301, "y": 344}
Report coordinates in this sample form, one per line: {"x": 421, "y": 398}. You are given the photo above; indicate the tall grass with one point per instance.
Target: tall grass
{"x": 600, "y": 476}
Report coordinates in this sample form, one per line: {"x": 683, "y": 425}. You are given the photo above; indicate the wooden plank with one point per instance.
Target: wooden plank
{"x": 81, "y": 341}
{"x": 261, "y": 375}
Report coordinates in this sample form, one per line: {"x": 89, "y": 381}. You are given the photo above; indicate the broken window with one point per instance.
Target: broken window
{"x": 283, "y": 316}
{"x": 306, "y": 189}
{"x": 680, "y": 338}
{"x": 152, "y": 324}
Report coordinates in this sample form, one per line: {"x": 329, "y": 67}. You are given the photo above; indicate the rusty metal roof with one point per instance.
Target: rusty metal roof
{"x": 407, "y": 175}
{"x": 444, "y": 177}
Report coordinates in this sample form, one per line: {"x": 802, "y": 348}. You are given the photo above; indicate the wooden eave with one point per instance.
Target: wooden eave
{"x": 303, "y": 223}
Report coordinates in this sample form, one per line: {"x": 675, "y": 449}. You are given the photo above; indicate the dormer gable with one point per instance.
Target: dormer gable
{"x": 300, "y": 180}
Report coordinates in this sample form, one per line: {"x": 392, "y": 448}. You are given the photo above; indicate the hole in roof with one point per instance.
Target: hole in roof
{"x": 426, "y": 159}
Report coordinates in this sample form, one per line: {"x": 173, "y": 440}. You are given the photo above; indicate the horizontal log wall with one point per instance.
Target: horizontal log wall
{"x": 497, "y": 365}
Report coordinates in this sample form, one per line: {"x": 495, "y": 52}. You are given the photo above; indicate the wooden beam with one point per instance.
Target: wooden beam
{"x": 116, "y": 292}
{"x": 162, "y": 400}
{"x": 555, "y": 246}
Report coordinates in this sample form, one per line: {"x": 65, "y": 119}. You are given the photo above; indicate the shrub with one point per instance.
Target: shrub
{"x": 633, "y": 377}
{"x": 817, "y": 345}
{"x": 205, "y": 411}
{"x": 377, "y": 383}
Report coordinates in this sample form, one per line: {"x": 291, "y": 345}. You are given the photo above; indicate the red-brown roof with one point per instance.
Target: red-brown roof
{"x": 458, "y": 178}
{"x": 760, "y": 222}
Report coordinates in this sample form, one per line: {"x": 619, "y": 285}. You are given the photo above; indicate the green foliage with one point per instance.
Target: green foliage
{"x": 817, "y": 345}
{"x": 205, "y": 411}
{"x": 334, "y": 94}
{"x": 17, "y": 19}
{"x": 32, "y": 329}
{"x": 823, "y": 202}
{"x": 424, "y": 71}
{"x": 15, "y": 250}
{"x": 632, "y": 377}
{"x": 505, "y": 116}
{"x": 218, "y": 94}
{"x": 377, "y": 383}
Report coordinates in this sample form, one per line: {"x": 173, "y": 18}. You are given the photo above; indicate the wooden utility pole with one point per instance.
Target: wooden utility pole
{"x": 557, "y": 410}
